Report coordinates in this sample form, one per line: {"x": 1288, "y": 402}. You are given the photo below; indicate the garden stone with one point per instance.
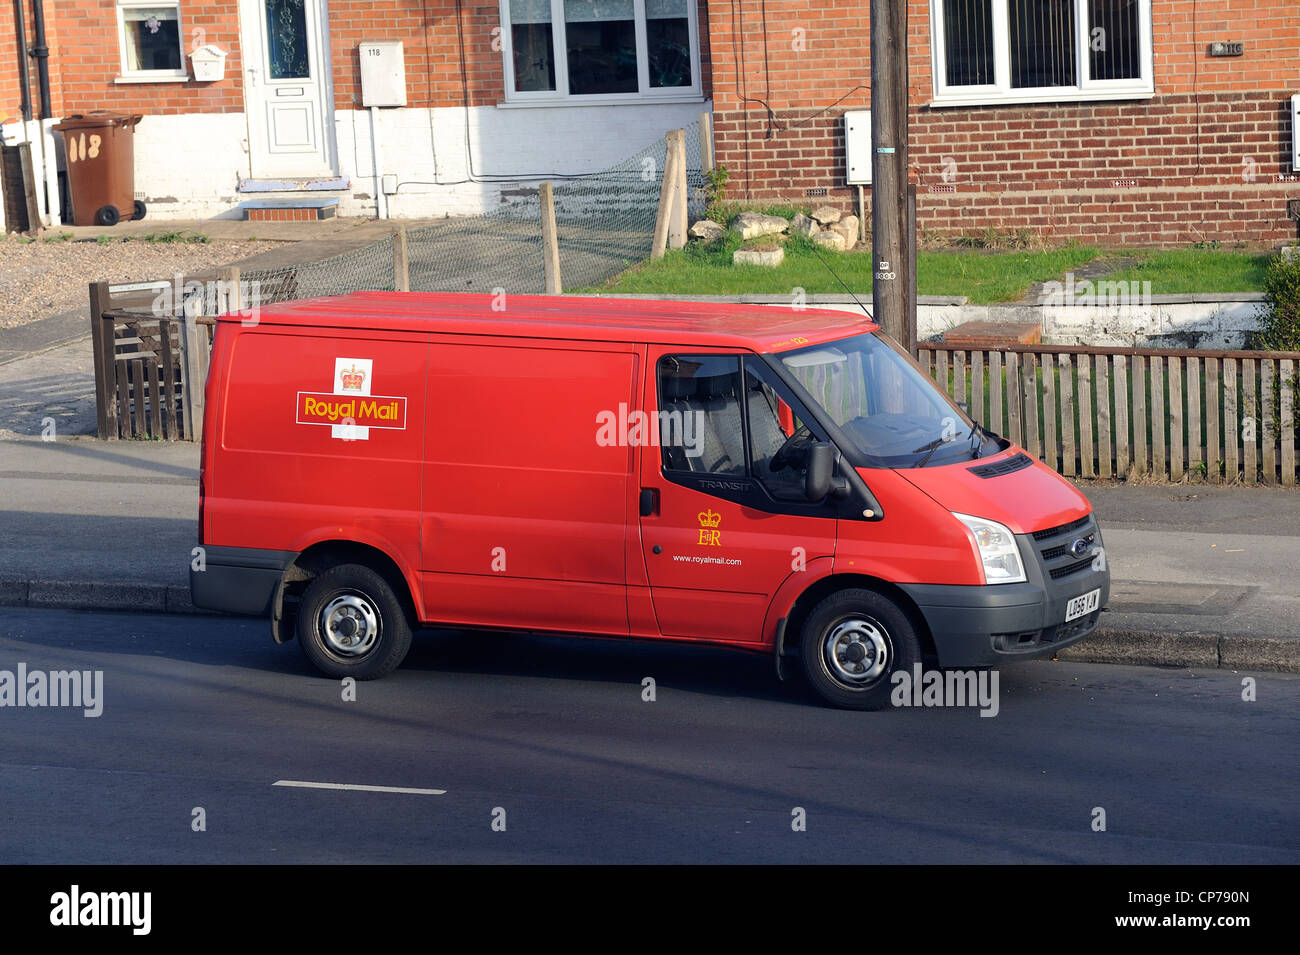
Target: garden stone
{"x": 829, "y": 240}
{"x": 750, "y": 225}
{"x": 847, "y": 227}
{"x": 826, "y": 214}
{"x": 802, "y": 225}
{"x": 707, "y": 231}
{"x": 766, "y": 257}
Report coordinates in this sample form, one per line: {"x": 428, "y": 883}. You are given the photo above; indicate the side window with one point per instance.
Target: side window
{"x": 778, "y": 436}
{"x": 700, "y": 424}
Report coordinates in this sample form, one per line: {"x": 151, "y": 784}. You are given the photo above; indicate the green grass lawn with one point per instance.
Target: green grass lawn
{"x": 1189, "y": 271}
{"x": 984, "y": 277}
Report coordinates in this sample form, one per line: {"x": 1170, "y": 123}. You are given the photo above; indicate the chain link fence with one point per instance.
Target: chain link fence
{"x": 605, "y": 223}
{"x": 366, "y": 268}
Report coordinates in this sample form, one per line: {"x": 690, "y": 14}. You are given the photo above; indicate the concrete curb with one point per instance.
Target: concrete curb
{"x": 97, "y": 595}
{"x": 1131, "y": 647}
{"x": 1210, "y": 650}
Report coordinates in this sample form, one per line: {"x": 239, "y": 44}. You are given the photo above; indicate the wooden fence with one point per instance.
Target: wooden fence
{"x": 1220, "y": 417}
{"x": 151, "y": 363}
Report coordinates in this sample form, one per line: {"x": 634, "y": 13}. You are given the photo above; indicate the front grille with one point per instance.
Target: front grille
{"x": 1063, "y": 529}
{"x": 1057, "y": 558}
{"x": 1069, "y": 570}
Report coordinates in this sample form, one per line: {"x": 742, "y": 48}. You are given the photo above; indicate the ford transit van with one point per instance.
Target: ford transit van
{"x": 780, "y": 481}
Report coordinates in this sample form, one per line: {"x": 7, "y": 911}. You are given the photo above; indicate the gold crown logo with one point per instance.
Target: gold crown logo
{"x": 709, "y": 519}
{"x": 353, "y": 378}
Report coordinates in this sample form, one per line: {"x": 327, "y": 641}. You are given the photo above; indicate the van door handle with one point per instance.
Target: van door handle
{"x": 649, "y": 501}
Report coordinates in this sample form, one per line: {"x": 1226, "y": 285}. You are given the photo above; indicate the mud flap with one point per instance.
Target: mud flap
{"x": 782, "y": 668}
{"x": 281, "y": 629}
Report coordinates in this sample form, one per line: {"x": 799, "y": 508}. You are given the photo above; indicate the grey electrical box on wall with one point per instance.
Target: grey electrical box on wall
{"x": 1295, "y": 133}
{"x": 383, "y": 73}
{"x": 857, "y": 147}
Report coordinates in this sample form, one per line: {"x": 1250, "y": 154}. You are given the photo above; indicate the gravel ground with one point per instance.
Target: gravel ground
{"x": 46, "y": 278}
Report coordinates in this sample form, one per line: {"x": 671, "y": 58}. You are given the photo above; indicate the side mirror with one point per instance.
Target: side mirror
{"x": 819, "y": 471}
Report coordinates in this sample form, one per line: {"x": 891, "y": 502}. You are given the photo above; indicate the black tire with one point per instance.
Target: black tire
{"x": 379, "y": 624}
{"x": 866, "y": 619}
{"x": 138, "y": 212}
{"x": 108, "y": 215}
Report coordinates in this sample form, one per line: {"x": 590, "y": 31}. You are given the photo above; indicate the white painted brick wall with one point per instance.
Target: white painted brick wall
{"x": 189, "y": 166}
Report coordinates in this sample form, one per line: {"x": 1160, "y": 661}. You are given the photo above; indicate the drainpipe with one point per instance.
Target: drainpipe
{"x": 40, "y": 51}
{"x": 24, "y": 74}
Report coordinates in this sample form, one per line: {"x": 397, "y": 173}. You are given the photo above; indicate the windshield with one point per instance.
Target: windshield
{"x": 890, "y": 410}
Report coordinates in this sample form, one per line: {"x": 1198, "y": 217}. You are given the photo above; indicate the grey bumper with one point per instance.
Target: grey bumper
{"x": 240, "y": 580}
{"x": 985, "y": 626}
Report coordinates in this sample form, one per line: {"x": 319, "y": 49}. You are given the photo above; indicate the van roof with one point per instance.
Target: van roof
{"x": 763, "y": 328}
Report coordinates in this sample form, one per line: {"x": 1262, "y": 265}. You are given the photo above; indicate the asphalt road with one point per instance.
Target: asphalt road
{"x": 201, "y": 712}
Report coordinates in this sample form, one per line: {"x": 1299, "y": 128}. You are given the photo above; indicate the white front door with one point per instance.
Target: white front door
{"x": 287, "y": 93}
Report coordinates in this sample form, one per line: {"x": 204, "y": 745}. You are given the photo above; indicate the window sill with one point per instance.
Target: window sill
{"x": 603, "y": 101}
{"x": 161, "y": 77}
{"x": 1013, "y": 99}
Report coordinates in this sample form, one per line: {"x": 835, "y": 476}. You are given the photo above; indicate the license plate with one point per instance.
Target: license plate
{"x": 1082, "y": 605}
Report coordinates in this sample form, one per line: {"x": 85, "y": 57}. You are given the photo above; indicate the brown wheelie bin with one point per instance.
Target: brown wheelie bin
{"x": 100, "y": 149}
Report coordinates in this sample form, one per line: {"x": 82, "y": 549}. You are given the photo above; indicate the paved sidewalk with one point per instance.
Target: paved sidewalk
{"x": 1202, "y": 577}
{"x": 53, "y": 385}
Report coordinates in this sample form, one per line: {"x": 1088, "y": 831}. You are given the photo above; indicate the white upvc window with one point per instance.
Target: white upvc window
{"x": 1035, "y": 51}
{"x": 600, "y": 51}
{"x": 150, "y": 39}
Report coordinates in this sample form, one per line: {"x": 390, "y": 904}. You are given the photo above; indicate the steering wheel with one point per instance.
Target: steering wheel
{"x": 792, "y": 451}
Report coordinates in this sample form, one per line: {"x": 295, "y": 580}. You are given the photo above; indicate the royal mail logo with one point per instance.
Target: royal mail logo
{"x": 371, "y": 411}
{"x": 353, "y": 378}
{"x": 350, "y": 409}
{"x": 709, "y": 522}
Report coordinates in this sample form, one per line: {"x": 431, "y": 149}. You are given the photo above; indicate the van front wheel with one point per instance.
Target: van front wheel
{"x": 853, "y": 643}
{"x": 350, "y": 623}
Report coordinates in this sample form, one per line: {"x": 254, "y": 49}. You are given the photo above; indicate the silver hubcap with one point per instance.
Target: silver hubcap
{"x": 857, "y": 651}
{"x": 350, "y": 625}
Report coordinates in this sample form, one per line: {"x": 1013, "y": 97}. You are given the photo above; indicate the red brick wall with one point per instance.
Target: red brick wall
{"x": 85, "y": 60}
{"x": 1199, "y": 161}
{"x": 10, "y": 97}
{"x": 437, "y": 35}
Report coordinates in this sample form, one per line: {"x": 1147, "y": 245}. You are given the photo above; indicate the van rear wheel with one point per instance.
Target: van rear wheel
{"x": 351, "y": 623}
{"x": 852, "y": 644}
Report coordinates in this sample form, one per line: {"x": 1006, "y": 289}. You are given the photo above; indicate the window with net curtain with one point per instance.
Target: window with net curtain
{"x": 600, "y": 48}
{"x": 1039, "y": 44}
{"x": 151, "y": 38}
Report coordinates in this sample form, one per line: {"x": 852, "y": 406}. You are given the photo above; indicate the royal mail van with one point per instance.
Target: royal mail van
{"x": 786, "y": 482}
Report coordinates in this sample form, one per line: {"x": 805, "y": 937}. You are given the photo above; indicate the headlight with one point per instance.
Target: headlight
{"x": 997, "y": 550}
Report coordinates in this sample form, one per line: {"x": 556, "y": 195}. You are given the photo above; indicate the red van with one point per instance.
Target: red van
{"x": 787, "y": 482}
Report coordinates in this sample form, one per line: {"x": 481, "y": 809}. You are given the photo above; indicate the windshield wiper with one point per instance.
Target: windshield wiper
{"x": 929, "y": 450}
{"x": 976, "y": 434}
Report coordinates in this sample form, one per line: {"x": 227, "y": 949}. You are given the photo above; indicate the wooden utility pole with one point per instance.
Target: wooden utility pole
{"x": 891, "y": 242}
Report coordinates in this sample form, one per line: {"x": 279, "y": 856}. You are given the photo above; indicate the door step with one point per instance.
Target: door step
{"x": 333, "y": 184}
{"x": 989, "y": 334}
{"x": 290, "y": 210}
